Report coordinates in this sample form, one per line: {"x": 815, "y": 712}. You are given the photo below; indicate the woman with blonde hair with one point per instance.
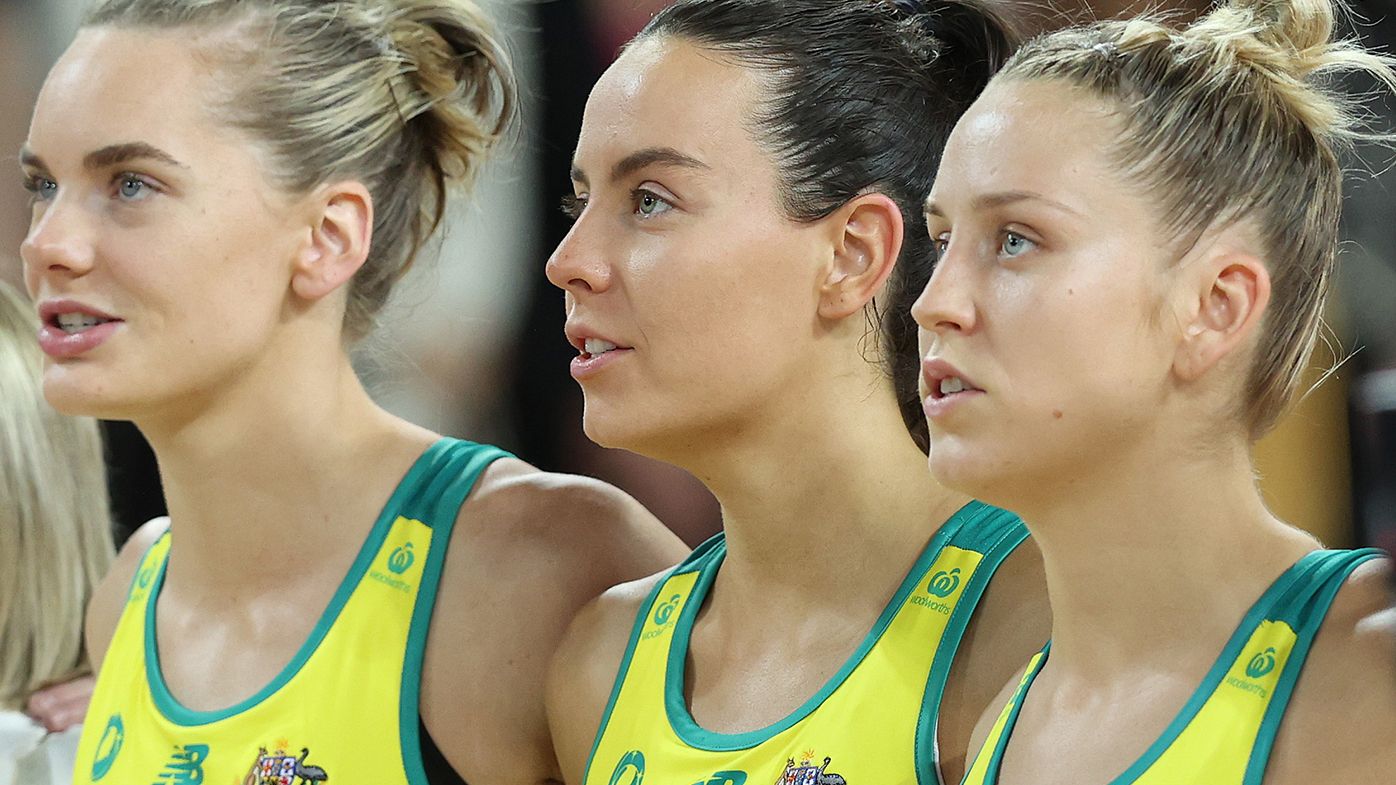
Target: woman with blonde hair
{"x": 225, "y": 192}
{"x": 1137, "y": 225}
{"x": 55, "y": 544}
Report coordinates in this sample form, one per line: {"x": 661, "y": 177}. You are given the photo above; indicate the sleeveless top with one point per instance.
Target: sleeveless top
{"x": 344, "y": 709}
{"x": 873, "y": 723}
{"x": 1224, "y": 734}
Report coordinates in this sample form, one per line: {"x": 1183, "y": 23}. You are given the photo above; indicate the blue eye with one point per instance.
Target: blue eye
{"x": 648, "y": 204}
{"x": 42, "y": 188}
{"x": 132, "y": 188}
{"x": 1016, "y": 244}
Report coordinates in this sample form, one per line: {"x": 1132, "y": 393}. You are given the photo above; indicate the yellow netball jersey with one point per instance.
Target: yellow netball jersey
{"x": 873, "y": 723}
{"x": 344, "y": 710}
{"x": 1224, "y": 734}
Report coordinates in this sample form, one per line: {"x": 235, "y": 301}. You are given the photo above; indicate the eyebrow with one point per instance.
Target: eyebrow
{"x": 110, "y": 155}
{"x": 1002, "y": 199}
{"x": 650, "y": 156}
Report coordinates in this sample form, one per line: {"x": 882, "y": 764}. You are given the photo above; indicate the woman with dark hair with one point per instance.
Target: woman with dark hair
{"x": 1137, "y": 224}
{"x": 748, "y": 240}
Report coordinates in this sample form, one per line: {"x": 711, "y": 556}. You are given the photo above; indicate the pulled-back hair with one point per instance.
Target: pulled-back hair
{"x": 1234, "y": 118}
{"x": 861, "y": 97}
{"x": 55, "y": 523}
{"x": 403, "y": 95}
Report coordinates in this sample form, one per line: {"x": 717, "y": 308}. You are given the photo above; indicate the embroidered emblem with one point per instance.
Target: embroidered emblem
{"x": 279, "y": 768}
{"x": 807, "y": 773}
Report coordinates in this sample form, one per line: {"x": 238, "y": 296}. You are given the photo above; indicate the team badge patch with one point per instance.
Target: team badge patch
{"x": 280, "y": 768}
{"x": 809, "y": 774}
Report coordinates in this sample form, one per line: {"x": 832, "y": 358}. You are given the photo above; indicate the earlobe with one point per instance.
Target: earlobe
{"x": 337, "y": 245}
{"x": 868, "y": 240}
{"x": 1229, "y": 308}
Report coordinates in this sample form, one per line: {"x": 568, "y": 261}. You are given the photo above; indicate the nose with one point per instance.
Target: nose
{"x": 577, "y": 265}
{"x": 57, "y": 244}
{"x": 947, "y": 303}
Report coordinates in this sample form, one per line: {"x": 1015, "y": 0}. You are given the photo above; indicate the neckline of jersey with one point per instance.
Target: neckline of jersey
{"x": 174, "y": 711}
{"x": 676, "y": 707}
{"x": 1260, "y": 611}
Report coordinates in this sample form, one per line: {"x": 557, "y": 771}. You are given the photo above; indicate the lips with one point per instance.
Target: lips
{"x": 943, "y": 380}
{"x": 594, "y": 351}
{"x": 71, "y": 328}
{"x": 946, "y": 389}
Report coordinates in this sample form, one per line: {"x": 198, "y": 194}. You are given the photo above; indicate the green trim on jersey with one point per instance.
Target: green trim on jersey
{"x": 443, "y": 497}
{"x": 986, "y": 534}
{"x": 359, "y": 665}
{"x": 1299, "y": 598}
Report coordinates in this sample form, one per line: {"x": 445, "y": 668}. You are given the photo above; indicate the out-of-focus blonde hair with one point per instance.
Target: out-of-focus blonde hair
{"x": 1236, "y": 117}
{"x": 55, "y": 522}
{"x": 405, "y": 95}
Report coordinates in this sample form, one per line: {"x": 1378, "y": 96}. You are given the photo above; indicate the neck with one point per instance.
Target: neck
{"x": 274, "y": 459}
{"x": 1149, "y": 553}
{"x": 835, "y": 480}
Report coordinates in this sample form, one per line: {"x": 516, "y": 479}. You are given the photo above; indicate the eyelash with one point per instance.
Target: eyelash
{"x": 940, "y": 243}
{"x": 31, "y": 183}
{"x": 572, "y": 206}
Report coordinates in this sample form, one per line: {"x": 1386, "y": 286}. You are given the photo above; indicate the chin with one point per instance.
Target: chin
{"x": 968, "y": 468}
{"x": 72, "y": 392}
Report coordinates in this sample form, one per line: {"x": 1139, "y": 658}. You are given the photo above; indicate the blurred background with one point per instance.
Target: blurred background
{"x": 472, "y": 345}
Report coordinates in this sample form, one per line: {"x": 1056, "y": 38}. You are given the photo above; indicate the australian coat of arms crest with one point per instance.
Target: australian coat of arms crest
{"x": 280, "y": 768}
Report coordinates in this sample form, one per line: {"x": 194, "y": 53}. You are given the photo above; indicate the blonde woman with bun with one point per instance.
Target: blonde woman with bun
{"x": 55, "y": 544}
{"x": 224, "y": 193}
{"x": 1136, "y": 227}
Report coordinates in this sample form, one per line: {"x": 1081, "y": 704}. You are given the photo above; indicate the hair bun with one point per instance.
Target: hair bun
{"x": 1289, "y": 42}
{"x": 460, "y": 80}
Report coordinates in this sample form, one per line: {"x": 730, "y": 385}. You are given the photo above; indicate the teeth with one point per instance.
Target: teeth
{"x": 598, "y": 346}
{"x": 951, "y": 385}
{"x": 77, "y": 322}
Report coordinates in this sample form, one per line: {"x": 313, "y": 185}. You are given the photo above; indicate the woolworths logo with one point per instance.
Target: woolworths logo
{"x": 1258, "y": 667}
{"x": 1261, "y": 663}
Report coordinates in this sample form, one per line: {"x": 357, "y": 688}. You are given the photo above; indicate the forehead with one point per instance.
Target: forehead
{"x": 669, "y": 92}
{"x": 117, "y": 85}
{"x": 1040, "y": 136}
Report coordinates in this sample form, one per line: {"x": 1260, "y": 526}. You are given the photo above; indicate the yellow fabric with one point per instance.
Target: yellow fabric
{"x": 863, "y": 733}
{"x": 342, "y": 704}
{"x": 1214, "y": 747}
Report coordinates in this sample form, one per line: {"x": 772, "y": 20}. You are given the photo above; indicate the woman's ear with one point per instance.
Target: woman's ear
{"x": 867, "y": 241}
{"x": 340, "y": 231}
{"x": 1226, "y": 304}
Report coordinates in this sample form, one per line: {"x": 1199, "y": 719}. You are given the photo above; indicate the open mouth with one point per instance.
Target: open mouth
{"x": 951, "y": 385}
{"x": 73, "y": 323}
{"x": 596, "y": 347}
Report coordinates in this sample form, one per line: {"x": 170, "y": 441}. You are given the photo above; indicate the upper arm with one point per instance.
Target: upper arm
{"x": 584, "y": 670}
{"x": 530, "y": 549}
{"x": 109, "y": 595}
{"x": 1340, "y": 725}
{"x": 1010, "y": 625}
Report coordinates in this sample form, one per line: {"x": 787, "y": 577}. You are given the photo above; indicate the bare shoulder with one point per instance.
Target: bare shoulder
{"x": 585, "y": 667}
{"x": 538, "y": 509}
{"x": 529, "y": 549}
{"x": 1340, "y": 725}
{"x": 1010, "y": 625}
{"x": 985, "y": 724}
{"x": 109, "y": 595}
